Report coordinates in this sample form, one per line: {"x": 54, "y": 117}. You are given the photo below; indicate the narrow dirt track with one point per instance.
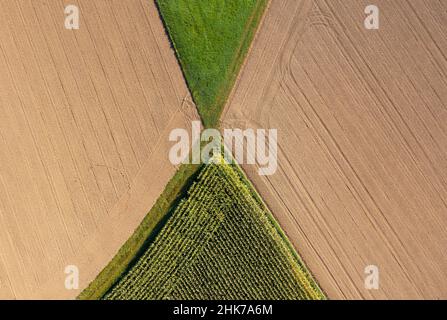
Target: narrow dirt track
{"x": 84, "y": 120}
{"x": 362, "y": 128}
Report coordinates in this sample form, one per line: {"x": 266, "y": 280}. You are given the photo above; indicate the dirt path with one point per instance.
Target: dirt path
{"x": 362, "y": 125}
{"x": 84, "y": 121}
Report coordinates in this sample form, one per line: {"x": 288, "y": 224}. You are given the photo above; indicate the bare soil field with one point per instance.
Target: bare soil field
{"x": 85, "y": 117}
{"x": 362, "y": 129}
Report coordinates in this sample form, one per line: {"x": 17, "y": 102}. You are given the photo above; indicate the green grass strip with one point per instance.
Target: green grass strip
{"x": 143, "y": 235}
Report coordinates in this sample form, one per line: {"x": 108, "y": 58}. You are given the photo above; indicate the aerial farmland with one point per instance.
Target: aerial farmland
{"x": 206, "y": 151}
{"x": 83, "y": 153}
{"x": 362, "y": 142}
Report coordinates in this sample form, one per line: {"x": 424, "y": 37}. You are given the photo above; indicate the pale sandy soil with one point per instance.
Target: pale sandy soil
{"x": 85, "y": 117}
{"x": 362, "y": 125}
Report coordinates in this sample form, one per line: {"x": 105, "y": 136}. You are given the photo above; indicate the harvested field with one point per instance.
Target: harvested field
{"x": 84, "y": 120}
{"x": 362, "y": 129}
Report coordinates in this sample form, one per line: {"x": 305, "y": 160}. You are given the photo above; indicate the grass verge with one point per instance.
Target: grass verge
{"x": 143, "y": 235}
{"x": 211, "y": 39}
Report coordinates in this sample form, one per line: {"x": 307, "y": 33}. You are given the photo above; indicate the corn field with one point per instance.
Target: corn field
{"x": 220, "y": 243}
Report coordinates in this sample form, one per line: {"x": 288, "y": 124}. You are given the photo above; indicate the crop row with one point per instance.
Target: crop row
{"x": 219, "y": 244}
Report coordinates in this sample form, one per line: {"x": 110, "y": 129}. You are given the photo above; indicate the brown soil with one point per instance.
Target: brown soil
{"x": 362, "y": 126}
{"x": 85, "y": 117}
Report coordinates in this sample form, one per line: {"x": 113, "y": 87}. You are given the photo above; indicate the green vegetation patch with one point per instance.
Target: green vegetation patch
{"x": 211, "y": 38}
{"x": 219, "y": 243}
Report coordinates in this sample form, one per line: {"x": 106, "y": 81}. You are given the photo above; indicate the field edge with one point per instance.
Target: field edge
{"x": 146, "y": 230}
{"x": 254, "y": 193}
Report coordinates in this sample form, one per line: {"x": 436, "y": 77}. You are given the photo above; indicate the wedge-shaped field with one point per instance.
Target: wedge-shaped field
{"x": 219, "y": 243}
{"x": 211, "y": 38}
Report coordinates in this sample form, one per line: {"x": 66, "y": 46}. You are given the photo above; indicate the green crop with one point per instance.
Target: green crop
{"x": 220, "y": 243}
{"x": 211, "y": 39}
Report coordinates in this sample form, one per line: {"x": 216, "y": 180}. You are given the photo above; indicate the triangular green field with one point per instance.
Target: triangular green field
{"x": 220, "y": 243}
{"x": 211, "y": 39}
